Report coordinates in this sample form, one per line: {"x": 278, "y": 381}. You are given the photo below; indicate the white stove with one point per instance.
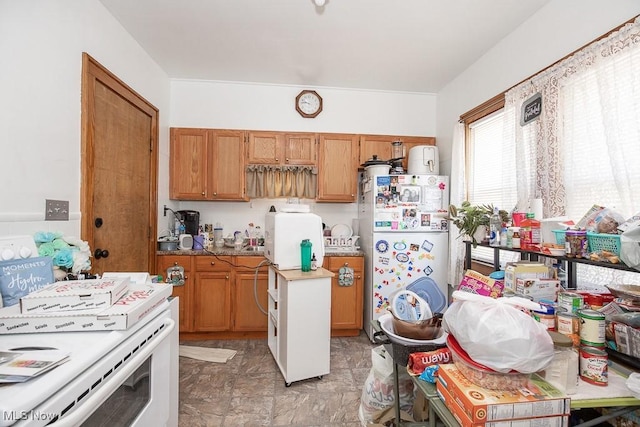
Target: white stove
{"x": 141, "y": 360}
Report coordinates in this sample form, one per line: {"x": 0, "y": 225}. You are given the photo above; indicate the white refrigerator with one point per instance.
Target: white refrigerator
{"x": 404, "y": 234}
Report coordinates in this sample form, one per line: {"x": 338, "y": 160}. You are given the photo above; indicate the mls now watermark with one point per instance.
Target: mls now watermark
{"x": 27, "y": 416}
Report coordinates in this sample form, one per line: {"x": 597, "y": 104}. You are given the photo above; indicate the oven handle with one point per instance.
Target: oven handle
{"x": 96, "y": 399}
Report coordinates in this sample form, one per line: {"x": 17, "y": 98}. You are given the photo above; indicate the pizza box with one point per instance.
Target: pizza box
{"x": 69, "y": 295}
{"x": 537, "y": 399}
{"x": 463, "y": 419}
{"x": 137, "y": 302}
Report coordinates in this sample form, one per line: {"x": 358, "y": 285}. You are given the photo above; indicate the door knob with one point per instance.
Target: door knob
{"x": 98, "y": 222}
{"x": 101, "y": 253}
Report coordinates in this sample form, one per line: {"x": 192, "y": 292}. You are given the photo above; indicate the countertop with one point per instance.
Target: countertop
{"x": 246, "y": 252}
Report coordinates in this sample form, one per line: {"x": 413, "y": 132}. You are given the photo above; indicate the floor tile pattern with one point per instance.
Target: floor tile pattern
{"x": 249, "y": 390}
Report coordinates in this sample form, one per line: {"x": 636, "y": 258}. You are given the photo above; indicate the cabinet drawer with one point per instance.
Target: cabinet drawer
{"x": 212, "y": 263}
{"x": 166, "y": 261}
{"x": 336, "y": 262}
{"x": 251, "y": 262}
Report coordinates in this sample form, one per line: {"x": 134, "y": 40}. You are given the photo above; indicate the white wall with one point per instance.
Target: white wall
{"x": 555, "y": 31}
{"x": 41, "y": 45}
{"x": 271, "y": 107}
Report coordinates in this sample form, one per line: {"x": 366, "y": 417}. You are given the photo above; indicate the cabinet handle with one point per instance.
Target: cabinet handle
{"x": 358, "y": 276}
{"x": 346, "y": 264}
{"x": 203, "y": 193}
{"x": 277, "y": 159}
{"x": 213, "y": 263}
{"x": 286, "y": 160}
{"x": 215, "y": 194}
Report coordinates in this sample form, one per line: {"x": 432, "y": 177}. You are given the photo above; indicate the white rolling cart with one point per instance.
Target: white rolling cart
{"x": 299, "y": 331}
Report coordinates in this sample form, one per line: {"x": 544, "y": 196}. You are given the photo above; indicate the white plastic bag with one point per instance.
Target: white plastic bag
{"x": 497, "y": 334}
{"x": 378, "y": 392}
{"x": 630, "y": 247}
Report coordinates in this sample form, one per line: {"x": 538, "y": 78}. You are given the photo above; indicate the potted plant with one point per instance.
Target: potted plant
{"x": 473, "y": 220}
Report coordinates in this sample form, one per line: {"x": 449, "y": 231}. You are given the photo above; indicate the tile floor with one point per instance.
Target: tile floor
{"x": 249, "y": 390}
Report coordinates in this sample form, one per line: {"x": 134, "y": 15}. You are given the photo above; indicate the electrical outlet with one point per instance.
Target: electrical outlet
{"x": 56, "y": 210}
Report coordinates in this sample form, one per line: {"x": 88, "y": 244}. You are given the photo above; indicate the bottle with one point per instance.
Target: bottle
{"x": 314, "y": 262}
{"x": 515, "y": 239}
{"x": 495, "y": 227}
{"x": 503, "y": 237}
{"x": 182, "y": 229}
{"x": 305, "y": 255}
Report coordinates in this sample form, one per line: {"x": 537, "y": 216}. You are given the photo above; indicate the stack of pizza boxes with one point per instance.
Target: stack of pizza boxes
{"x": 110, "y": 303}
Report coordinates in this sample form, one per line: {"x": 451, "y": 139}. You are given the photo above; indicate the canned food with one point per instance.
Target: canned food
{"x": 547, "y": 318}
{"x": 570, "y": 301}
{"x": 593, "y": 366}
{"x": 569, "y": 324}
{"x": 592, "y": 328}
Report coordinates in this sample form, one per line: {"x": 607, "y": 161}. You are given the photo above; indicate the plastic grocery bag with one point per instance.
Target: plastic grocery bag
{"x": 630, "y": 247}
{"x": 378, "y": 392}
{"x": 498, "y": 335}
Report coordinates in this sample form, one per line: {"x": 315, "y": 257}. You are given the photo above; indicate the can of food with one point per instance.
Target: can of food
{"x": 547, "y": 318}
{"x": 570, "y": 301}
{"x": 568, "y": 324}
{"x": 593, "y": 366}
{"x": 592, "y": 328}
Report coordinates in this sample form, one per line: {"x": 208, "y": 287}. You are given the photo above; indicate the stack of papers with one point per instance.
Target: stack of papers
{"x": 17, "y": 366}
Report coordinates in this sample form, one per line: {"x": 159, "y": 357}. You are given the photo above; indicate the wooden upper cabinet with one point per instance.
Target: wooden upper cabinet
{"x": 188, "y": 149}
{"x": 227, "y": 159}
{"x": 206, "y": 164}
{"x": 337, "y": 167}
{"x": 380, "y": 145}
{"x": 279, "y": 148}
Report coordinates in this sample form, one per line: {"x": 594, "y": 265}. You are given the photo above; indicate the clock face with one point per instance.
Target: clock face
{"x": 309, "y": 103}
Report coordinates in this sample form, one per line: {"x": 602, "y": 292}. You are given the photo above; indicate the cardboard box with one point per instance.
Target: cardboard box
{"x": 480, "y": 284}
{"x": 463, "y": 419}
{"x": 524, "y": 270}
{"x": 137, "y": 302}
{"x": 70, "y": 295}
{"x": 481, "y": 405}
{"x": 539, "y": 288}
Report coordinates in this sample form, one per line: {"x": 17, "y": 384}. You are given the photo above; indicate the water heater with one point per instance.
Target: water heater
{"x": 423, "y": 160}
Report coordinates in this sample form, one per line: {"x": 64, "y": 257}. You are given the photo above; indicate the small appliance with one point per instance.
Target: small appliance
{"x": 423, "y": 160}
{"x": 283, "y": 233}
{"x": 191, "y": 221}
{"x": 397, "y": 154}
{"x": 185, "y": 242}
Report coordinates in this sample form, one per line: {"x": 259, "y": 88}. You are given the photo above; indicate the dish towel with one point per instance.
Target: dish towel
{"x": 217, "y": 355}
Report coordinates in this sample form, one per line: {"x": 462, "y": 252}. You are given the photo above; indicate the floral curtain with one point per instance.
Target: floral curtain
{"x": 539, "y": 159}
{"x": 274, "y": 181}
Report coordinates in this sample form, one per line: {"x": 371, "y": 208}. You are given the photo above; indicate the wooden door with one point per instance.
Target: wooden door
{"x": 247, "y": 316}
{"x": 300, "y": 149}
{"x": 119, "y": 172}
{"x": 337, "y": 168}
{"x": 346, "y": 301}
{"x": 227, "y": 159}
{"x": 188, "y": 176}
{"x": 183, "y": 292}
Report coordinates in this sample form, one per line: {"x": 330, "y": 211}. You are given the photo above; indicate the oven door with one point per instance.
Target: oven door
{"x": 133, "y": 385}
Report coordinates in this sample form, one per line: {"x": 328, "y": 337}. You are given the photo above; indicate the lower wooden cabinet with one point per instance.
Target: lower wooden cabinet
{"x": 346, "y": 296}
{"x": 246, "y": 314}
{"x": 217, "y": 299}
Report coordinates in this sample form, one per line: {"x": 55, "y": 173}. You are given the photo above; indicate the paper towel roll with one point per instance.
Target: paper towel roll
{"x": 536, "y": 208}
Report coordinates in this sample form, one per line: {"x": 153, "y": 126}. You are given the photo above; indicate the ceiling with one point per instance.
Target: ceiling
{"x": 394, "y": 45}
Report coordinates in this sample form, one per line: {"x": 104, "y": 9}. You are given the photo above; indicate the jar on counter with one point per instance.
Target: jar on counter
{"x": 563, "y": 370}
{"x": 576, "y": 244}
{"x": 515, "y": 238}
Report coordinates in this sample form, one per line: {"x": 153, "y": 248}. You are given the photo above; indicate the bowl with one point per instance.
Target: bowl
{"x": 230, "y": 242}
{"x": 481, "y": 375}
{"x": 428, "y": 329}
{"x": 386, "y": 324}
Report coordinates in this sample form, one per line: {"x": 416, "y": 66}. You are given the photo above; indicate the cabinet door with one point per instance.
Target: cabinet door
{"x": 184, "y": 292}
{"x": 266, "y": 148}
{"x": 346, "y": 301}
{"x": 247, "y": 316}
{"x": 212, "y": 302}
{"x": 300, "y": 149}
{"x": 188, "y": 178}
{"x": 227, "y": 157}
{"x": 337, "y": 168}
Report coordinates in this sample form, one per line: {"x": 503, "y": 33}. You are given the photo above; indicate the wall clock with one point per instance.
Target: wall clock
{"x": 309, "y": 103}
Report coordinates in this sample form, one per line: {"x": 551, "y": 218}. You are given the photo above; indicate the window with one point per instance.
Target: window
{"x": 491, "y": 178}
